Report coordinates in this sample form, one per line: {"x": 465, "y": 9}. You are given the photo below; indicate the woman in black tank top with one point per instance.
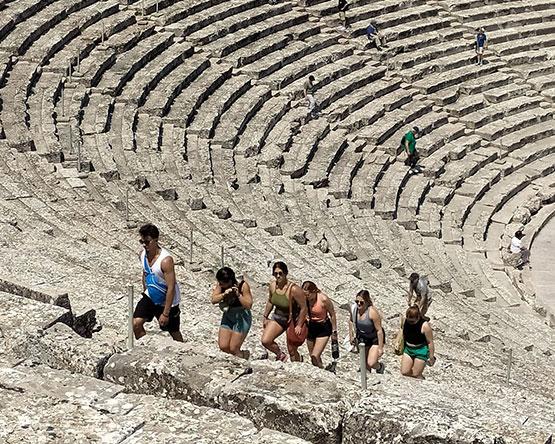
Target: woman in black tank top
{"x": 419, "y": 344}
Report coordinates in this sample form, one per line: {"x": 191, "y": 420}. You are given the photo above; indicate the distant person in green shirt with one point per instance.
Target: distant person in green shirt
{"x": 409, "y": 145}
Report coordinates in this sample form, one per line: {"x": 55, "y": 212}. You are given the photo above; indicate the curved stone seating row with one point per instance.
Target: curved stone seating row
{"x": 497, "y": 231}
{"x": 328, "y": 7}
{"x": 456, "y": 211}
{"x": 419, "y": 262}
{"x": 499, "y": 9}
{"x": 47, "y": 37}
{"x": 446, "y": 273}
{"x": 524, "y": 280}
{"x": 479, "y": 217}
{"x": 340, "y": 176}
{"x": 50, "y": 41}
{"x": 441, "y": 159}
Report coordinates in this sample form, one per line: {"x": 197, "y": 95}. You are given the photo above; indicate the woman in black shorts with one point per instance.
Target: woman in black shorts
{"x": 365, "y": 326}
{"x": 322, "y": 322}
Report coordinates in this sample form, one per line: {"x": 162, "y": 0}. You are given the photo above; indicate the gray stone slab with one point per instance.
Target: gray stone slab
{"x": 60, "y": 347}
{"x": 274, "y": 395}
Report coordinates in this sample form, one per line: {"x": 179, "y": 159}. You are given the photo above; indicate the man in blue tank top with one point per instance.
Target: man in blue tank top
{"x": 161, "y": 295}
{"x": 481, "y": 45}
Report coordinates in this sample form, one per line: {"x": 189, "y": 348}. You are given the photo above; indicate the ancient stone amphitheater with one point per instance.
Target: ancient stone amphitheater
{"x": 190, "y": 114}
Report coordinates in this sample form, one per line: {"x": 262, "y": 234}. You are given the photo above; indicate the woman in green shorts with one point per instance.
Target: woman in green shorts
{"x": 235, "y": 300}
{"x": 419, "y": 344}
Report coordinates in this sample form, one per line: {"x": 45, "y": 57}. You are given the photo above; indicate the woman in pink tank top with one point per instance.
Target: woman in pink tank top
{"x": 322, "y": 322}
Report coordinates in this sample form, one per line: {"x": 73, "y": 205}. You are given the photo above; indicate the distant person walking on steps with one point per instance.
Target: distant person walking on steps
{"x": 235, "y": 301}
{"x": 519, "y": 255}
{"x": 365, "y": 326}
{"x": 374, "y": 36}
{"x": 481, "y": 45}
{"x": 309, "y": 95}
{"x": 409, "y": 145}
{"x": 342, "y": 8}
{"x": 160, "y": 290}
{"x": 322, "y": 322}
{"x": 419, "y": 293}
{"x": 281, "y": 297}
{"x": 419, "y": 344}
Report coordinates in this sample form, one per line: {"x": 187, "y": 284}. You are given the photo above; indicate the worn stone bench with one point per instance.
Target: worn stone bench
{"x": 310, "y": 63}
{"x": 18, "y": 41}
{"x": 260, "y": 125}
{"x": 209, "y": 113}
{"x": 184, "y": 105}
{"x": 74, "y": 407}
{"x": 234, "y": 121}
{"x": 290, "y": 54}
{"x": 303, "y": 148}
{"x": 159, "y": 100}
{"x": 330, "y": 149}
{"x": 193, "y": 378}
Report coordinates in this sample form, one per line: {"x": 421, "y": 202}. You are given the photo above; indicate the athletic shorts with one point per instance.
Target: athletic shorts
{"x": 319, "y": 329}
{"x": 237, "y": 319}
{"x": 370, "y": 341}
{"x": 480, "y": 50}
{"x": 420, "y": 352}
{"x": 146, "y": 309}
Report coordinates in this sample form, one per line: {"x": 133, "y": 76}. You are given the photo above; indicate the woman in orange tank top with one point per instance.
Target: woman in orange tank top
{"x": 322, "y": 322}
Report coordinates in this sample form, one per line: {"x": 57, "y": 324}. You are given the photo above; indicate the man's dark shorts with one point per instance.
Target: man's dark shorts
{"x": 146, "y": 309}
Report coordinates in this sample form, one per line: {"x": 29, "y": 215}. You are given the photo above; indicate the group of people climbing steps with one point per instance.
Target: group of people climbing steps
{"x": 304, "y": 313}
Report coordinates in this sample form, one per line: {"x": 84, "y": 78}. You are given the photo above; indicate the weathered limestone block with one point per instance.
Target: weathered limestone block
{"x": 300, "y": 238}
{"x": 249, "y": 223}
{"x": 22, "y": 320}
{"x": 274, "y": 230}
{"x": 196, "y": 203}
{"x": 110, "y": 175}
{"x": 222, "y": 213}
{"x": 53, "y": 297}
{"x": 168, "y": 194}
{"x": 39, "y": 418}
{"x": 422, "y": 418}
{"x": 141, "y": 183}
{"x": 39, "y": 402}
{"x": 61, "y": 348}
{"x": 273, "y": 395}
{"x": 522, "y": 216}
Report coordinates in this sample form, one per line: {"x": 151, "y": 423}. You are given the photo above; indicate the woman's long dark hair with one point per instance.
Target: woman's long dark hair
{"x": 226, "y": 275}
